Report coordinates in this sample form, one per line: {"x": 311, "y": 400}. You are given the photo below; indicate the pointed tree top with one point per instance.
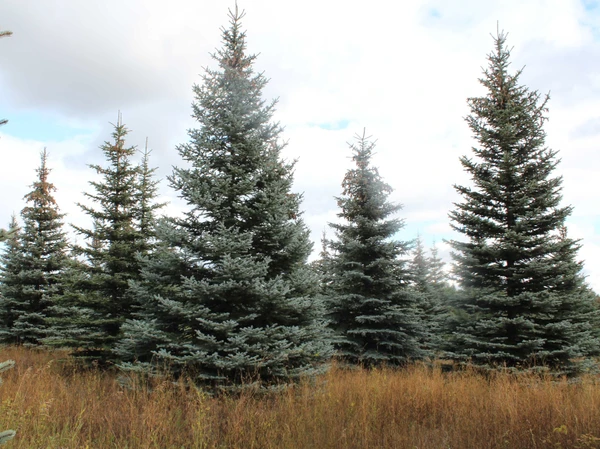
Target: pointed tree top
{"x": 234, "y": 39}
{"x": 43, "y": 171}
{"x": 499, "y": 58}
{"x": 42, "y": 188}
{"x": 362, "y": 150}
{"x": 146, "y": 154}
{"x": 236, "y": 15}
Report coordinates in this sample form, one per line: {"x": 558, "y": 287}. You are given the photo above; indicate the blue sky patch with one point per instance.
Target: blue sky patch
{"x": 333, "y": 126}
{"x": 590, "y": 5}
{"x": 435, "y": 13}
{"x": 41, "y": 127}
{"x": 412, "y": 229}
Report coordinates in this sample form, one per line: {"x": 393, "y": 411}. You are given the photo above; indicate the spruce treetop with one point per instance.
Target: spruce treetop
{"x": 147, "y": 207}
{"x": 365, "y": 194}
{"x": 114, "y": 193}
{"x": 437, "y": 276}
{"x": 40, "y": 197}
{"x": 419, "y": 266}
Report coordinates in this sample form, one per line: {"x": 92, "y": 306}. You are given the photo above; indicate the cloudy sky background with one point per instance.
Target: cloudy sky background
{"x": 402, "y": 70}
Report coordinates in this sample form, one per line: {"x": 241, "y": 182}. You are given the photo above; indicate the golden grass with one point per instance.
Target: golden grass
{"x": 52, "y": 405}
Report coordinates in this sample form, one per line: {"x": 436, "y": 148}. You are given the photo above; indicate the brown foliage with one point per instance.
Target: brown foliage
{"x": 53, "y": 405}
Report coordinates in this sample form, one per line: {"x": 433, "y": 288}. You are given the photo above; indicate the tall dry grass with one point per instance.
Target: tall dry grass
{"x": 52, "y": 405}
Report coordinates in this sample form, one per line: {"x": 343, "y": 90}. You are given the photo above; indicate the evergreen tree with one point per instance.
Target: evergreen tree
{"x": 429, "y": 286}
{"x": 42, "y": 247}
{"x": 110, "y": 254}
{"x": 437, "y": 276}
{"x": 4, "y": 234}
{"x": 372, "y": 312}
{"x": 321, "y": 264}
{"x": 10, "y": 284}
{"x": 524, "y": 300}
{"x": 44, "y": 257}
{"x": 74, "y": 320}
{"x": 228, "y": 294}
{"x": 146, "y": 205}
{"x": 419, "y": 268}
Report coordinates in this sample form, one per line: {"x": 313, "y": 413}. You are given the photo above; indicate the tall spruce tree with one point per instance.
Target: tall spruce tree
{"x": 43, "y": 257}
{"x": 524, "y": 300}
{"x": 110, "y": 255}
{"x": 228, "y": 295}
{"x": 373, "y": 314}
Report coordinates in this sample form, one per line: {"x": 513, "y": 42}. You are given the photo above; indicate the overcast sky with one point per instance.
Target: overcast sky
{"x": 402, "y": 70}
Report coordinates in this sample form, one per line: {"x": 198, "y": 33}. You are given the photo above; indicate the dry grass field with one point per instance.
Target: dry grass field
{"x": 52, "y": 405}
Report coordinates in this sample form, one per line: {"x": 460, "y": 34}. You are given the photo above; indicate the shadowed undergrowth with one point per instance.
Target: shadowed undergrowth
{"x": 53, "y": 405}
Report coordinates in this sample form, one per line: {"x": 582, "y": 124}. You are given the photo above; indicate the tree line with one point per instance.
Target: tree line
{"x": 225, "y": 294}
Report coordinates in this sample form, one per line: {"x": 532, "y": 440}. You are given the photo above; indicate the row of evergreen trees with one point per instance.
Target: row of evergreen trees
{"x": 225, "y": 293}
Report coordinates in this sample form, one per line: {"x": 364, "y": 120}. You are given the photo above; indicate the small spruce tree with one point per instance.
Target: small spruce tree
{"x": 41, "y": 257}
{"x": 10, "y": 285}
{"x": 419, "y": 268}
{"x": 524, "y": 302}
{"x": 44, "y": 258}
{"x": 371, "y": 310}
{"x": 147, "y": 206}
{"x": 228, "y": 294}
{"x": 109, "y": 255}
{"x": 429, "y": 286}
{"x": 438, "y": 277}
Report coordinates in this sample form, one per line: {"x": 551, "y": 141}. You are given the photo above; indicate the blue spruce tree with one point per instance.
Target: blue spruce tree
{"x": 228, "y": 297}
{"x": 10, "y": 290}
{"x": 524, "y": 302}
{"x": 428, "y": 283}
{"x": 372, "y": 312}
{"x": 34, "y": 263}
{"x": 97, "y": 299}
